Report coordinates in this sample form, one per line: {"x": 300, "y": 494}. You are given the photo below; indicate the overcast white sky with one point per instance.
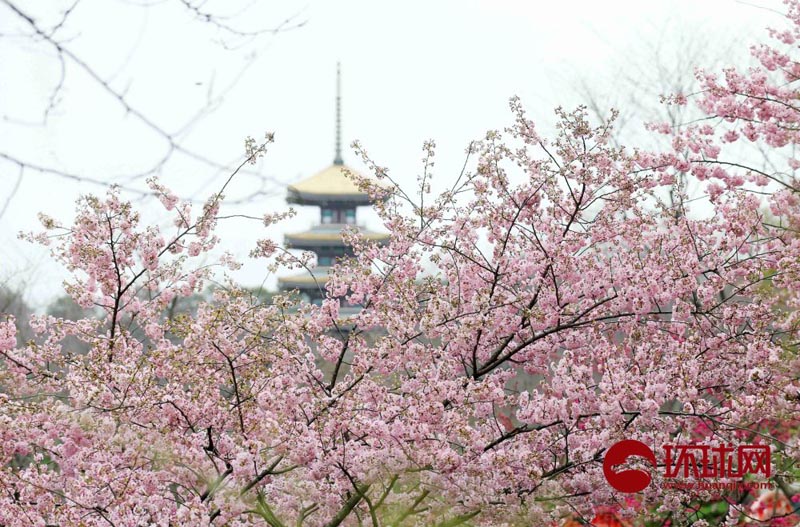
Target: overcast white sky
{"x": 412, "y": 70}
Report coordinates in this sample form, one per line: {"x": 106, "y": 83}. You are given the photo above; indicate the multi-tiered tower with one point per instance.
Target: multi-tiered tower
{"x": 338, "y": 197}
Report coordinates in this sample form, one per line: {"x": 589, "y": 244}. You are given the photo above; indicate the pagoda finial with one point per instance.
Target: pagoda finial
{"x": 338, "y": 159}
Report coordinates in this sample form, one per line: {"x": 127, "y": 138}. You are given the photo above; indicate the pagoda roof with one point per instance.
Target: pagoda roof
{"x": 328, "y": 235}
{"x": 331, "y": 185}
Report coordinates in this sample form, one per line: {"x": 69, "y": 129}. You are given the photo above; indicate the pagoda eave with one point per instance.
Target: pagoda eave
{"x": 305, "y": 281}
{"x": 317, "y": 238}
{"x": 313, "y": 246}
{"x": 328, "y": 200}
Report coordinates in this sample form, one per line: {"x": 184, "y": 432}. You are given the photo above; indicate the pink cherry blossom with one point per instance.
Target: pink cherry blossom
{"x": 562, "y": 294}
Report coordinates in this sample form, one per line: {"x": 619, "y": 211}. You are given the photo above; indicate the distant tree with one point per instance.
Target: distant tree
{"x": 65, "y": 307}
{"x": 659, "y": 64}
{"x": 12, "y": 302}
{"x": 50, "y": 34}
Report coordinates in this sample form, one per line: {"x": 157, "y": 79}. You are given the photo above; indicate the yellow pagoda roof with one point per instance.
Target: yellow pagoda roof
{"x": 333, "y": 184}
{"x": 332, "y": 180}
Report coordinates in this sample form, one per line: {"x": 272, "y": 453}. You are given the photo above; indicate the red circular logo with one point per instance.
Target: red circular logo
{"x": 627, "y": 480}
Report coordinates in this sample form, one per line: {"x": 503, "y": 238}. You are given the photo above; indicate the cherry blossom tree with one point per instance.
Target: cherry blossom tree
{"x": 549, "y": 304}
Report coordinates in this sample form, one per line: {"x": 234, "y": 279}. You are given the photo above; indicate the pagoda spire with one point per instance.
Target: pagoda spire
{"x": 338, "y": 159}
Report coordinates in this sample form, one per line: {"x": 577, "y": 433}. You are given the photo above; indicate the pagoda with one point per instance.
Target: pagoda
{"x": 338, "y": 198}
